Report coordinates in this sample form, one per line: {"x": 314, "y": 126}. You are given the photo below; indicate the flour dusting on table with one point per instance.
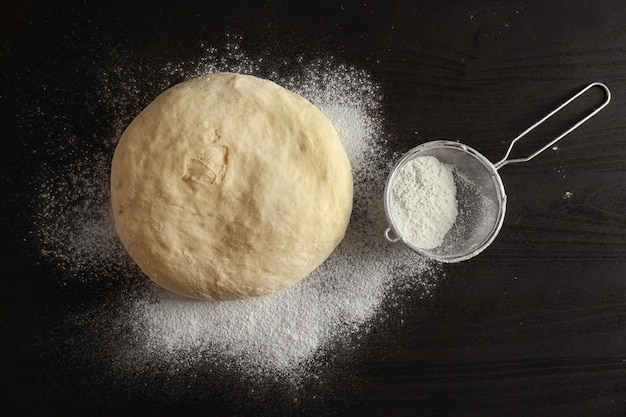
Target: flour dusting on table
{"x": 278, "y": 334}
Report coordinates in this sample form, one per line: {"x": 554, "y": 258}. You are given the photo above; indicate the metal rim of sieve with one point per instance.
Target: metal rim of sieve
{"x": 455, "y": 146}
{"x": 492, "y": 168}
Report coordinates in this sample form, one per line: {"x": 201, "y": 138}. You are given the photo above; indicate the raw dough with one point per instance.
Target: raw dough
{"x": 228, "y": 186}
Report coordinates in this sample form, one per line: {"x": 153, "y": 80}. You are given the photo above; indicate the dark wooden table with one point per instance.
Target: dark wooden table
{"x": 535, "y": 325}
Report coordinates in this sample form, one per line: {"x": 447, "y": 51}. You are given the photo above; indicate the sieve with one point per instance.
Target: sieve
{"x": 481, "y": 198}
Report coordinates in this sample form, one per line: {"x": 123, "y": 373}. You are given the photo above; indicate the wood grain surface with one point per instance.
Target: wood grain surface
{"x": 534, "y": 326}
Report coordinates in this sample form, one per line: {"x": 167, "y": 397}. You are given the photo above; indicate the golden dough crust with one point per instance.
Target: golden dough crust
{"x": 229, "y": 186}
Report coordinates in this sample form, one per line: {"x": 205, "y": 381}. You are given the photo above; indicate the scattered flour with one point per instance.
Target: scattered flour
{"x": 423, "y": 201}
{"x": 278, "y": 334}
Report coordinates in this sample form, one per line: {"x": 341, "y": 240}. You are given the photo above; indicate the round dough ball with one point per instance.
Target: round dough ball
{"x": 229, "y": 186}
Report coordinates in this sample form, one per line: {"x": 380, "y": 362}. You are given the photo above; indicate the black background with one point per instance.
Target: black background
{"x": 535, "y": 325}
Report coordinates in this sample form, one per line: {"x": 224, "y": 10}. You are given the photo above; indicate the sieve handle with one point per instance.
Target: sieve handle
{"x": 505, "y": 161}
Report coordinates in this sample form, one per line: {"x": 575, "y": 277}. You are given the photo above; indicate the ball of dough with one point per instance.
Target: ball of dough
{"x": 229, "y": 186}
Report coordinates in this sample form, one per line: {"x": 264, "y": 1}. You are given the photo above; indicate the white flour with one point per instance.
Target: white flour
{"x": 423, "y": 201}
{"x": 279, "y": 334}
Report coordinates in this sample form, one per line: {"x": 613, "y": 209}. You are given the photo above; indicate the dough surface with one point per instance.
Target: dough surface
{"x": 229, "y": 186}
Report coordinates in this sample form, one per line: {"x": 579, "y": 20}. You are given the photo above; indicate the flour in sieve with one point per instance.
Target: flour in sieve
{"x": 423, "y": 201}
{"x": 281, "y": 333}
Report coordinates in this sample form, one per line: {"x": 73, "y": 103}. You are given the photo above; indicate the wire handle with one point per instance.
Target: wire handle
{"x": 506, "y": 161}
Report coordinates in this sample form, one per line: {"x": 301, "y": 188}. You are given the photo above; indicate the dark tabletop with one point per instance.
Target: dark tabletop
{"x": 535, "y": 325}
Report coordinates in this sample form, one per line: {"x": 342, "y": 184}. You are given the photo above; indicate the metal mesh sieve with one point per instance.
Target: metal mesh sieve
{"x": 481, "y": 198}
